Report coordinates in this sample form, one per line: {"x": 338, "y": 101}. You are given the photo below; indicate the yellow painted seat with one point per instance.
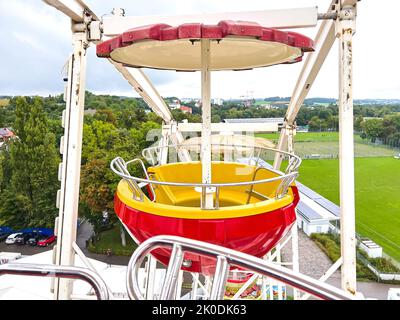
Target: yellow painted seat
{"x": 222, "y": 172}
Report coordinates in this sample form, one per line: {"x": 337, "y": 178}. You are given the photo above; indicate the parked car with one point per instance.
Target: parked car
{"x": 23, "y": 238}
{"x": 45, "y": 241}
{"x": 12, "y": 237}
{"x": 4, "y": 235}
{"x": 33, "y": 240}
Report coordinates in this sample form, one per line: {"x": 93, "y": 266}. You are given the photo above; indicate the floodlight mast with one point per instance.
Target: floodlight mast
{"x": 87, "y": 28}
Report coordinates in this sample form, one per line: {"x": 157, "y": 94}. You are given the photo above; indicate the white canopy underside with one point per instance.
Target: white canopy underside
{"x": 230, "y": 53}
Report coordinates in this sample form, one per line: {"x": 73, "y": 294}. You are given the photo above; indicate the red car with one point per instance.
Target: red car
{"x": 46, "y": 241}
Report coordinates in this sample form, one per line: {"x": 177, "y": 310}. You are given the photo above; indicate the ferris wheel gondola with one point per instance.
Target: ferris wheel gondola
{"x": 242, "y": 206}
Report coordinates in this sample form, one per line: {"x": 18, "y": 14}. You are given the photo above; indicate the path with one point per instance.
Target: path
{"x": 314, "y": 263}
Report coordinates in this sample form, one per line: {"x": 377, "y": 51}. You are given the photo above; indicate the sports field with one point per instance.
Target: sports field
{"x": 377, "y": 183}
{"x": 326, "y": 145}
{"x": 377, "y": 195}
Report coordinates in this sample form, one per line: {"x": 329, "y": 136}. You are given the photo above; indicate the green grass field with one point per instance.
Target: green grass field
{"x": 377, "y": 195}
{"x": 305, "y": 136}
{"x": 327, "y": 143}
{"x": 111, "y": 239}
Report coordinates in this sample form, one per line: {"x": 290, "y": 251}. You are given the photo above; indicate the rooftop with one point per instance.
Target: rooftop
{"x": 313, "y": 206}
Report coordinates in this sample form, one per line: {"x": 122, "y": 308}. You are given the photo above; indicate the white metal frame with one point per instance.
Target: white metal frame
{"x": 87, "y": 28}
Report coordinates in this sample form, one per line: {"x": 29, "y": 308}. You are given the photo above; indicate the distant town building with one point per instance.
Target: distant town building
{"x": 186, "y": 109}
{"x": 267, "y": 106}
{"x": 175, "y": 104}
{"x": 5, "y": 134}
{"x": 371, "y": 118}
{"x": 302, "y": 128}
{"x": 217, "y": 101}
{"x": 89, "y": 112}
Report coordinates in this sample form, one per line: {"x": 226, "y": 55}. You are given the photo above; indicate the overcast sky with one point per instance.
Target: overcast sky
{"x": 35, "y": 43}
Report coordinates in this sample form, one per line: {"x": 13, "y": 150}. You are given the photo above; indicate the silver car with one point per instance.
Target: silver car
{"x": 12, "y": 237}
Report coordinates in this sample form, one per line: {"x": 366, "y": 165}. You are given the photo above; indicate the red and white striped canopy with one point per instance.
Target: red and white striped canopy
{"x": 236, "y": 45}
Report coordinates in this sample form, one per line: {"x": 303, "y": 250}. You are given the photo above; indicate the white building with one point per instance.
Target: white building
{"x": 314, "y": 212}
{"x": 370, "y": 248}
{"x": 217, "y": 101}
{"x": 176, "y": 104}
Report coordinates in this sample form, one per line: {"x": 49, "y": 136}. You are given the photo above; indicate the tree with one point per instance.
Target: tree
{"x": 30, "y": 197}
{"x": 373, "y": 129}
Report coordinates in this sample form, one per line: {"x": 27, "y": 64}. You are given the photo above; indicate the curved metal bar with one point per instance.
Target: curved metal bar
{"x": 183, "y": 146}
{"x": 68, "y": 272}
{"x": 206, "y": 185}
{"x": 251, "y": 263}
{"x": 145, "y": 173}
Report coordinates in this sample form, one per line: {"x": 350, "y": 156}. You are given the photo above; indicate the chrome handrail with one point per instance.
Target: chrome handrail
{"x": 145, "y": 173}
{"x": 286, "y": 178}
{"x": 295, "y": 159}
{"x": 225, "y": 258}
{"x": 68, "y": 272}
{"x": 252, "y": 186}
{"x": 123, "y": 168}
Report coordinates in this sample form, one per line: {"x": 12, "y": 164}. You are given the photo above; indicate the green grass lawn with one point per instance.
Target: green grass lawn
{"x": 111, "y": 239}
{"x": 304, "y": 136}
{"x": 377, "y": 195}
{"x": 327, "y": 143}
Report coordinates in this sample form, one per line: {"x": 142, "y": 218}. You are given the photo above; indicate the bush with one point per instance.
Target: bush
{"x": 330, "y": 245}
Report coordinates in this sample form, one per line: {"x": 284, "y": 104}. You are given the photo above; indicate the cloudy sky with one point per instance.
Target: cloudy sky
{"x": 35, "y": 43}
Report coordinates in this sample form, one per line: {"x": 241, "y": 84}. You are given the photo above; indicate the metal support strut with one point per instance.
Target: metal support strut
{"x": 345, "y": 29}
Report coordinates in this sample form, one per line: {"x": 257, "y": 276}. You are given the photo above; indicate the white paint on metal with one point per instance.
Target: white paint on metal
{"x": 284, "y": 18}
{"x": 72, "y": 8}
{"x": 322, "y": 44}
{"x": 206, "y": 122}
{"x": 150, "y": 271}
{"x": 346, "y": 26}
{"x": 295, "y": 256}
{"x": 72, "y": 150}
{"x": 230, "y": 127}
{"x": 145, "y": 88}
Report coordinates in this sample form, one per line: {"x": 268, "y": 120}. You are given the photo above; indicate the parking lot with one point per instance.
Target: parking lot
{"x": 25, "y": 250}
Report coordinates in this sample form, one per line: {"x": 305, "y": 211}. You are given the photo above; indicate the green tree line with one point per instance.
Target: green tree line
{"x": 117, "y": 126}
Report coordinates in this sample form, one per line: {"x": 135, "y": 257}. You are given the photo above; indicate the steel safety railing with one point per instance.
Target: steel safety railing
{"x": 68, "y": 272}
{"x": 225, "y": 258}
{"x": 119, "y": 167}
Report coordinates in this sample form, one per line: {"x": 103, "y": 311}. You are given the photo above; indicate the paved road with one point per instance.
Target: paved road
{"x": 23, "y": 249}
{"x": 314, "y": 263}
{"x": 84, "y": 232}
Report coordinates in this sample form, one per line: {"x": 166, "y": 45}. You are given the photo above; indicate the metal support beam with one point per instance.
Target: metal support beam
{"x": 168, "y": 290}
{"x": 295, "y": 256}
{"x": 206, "y": 122}
{"x": 322, "y": 44}
{"x": 328, "y": 273}
{"x": 231, "y": 127}
{"x": 284, "y": 18}
{"x": 74, "y": 9}
{"x": 346, "y": 28}
{"x": 221, "y": 274}
{"x": 144, "y": 87}
{"x": 72, "y": 150}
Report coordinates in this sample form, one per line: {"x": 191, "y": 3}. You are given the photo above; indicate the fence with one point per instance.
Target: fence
{"x": 378, "y": 274}
{"x": 381, "y": 276}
